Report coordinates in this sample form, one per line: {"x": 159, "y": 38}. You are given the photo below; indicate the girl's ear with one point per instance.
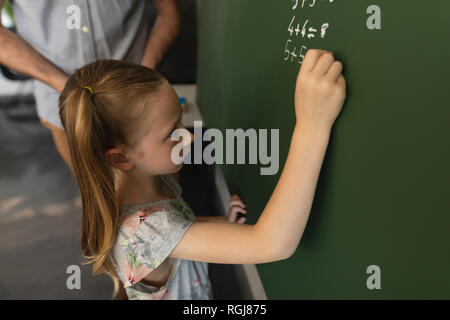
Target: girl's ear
{"x": 118, "y": 159}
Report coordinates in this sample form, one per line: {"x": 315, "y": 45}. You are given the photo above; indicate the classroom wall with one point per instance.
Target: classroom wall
{"x": 382, "y": 197}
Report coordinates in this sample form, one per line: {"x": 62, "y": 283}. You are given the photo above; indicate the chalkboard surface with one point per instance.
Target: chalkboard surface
{"x": 381, "y": 212}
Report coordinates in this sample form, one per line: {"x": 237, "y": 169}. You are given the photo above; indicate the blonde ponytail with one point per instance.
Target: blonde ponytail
{"x": 96, "y": 120}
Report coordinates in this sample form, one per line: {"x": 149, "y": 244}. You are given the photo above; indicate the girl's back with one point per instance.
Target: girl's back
{"x": 148, "y": 233}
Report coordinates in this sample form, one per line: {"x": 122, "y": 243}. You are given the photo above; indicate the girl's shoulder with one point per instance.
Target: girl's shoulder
{"x": 169, "y": 211}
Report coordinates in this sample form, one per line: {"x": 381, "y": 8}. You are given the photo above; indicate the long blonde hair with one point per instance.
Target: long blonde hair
{"x": 94, "y": 122}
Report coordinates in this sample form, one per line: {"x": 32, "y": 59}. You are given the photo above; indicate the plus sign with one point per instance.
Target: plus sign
{"x": 293, "y": 54}
{"x": 297, "y": 30}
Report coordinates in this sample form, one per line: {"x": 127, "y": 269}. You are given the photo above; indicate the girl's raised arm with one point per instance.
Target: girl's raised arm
{"x": 319, "y": 96}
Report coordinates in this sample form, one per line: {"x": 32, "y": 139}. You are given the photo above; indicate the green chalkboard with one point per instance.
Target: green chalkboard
{"x": 383, "y": 195}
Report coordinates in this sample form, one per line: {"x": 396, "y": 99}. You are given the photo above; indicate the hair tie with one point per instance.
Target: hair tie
{"x": 90, "y": 90}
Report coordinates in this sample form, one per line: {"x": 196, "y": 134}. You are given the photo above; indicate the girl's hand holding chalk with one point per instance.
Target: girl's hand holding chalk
{"x": 320, "y": 90}
{"x": 236, "y": 205}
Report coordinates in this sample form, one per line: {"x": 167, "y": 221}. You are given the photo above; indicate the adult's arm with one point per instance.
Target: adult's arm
{"x": 18, "y": 55}
{"x": 164, "y": 32}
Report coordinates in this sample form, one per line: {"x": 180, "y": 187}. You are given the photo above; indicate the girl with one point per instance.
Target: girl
{"x": 118, "y": 118}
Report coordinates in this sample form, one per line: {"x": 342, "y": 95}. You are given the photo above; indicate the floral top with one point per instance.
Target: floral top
{"x": 147, "y": 235}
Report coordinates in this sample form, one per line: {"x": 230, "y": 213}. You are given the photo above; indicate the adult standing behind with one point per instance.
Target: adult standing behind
{"x": 56, "y": 37}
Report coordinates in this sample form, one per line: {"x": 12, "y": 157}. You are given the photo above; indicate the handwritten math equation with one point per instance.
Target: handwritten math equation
{"x": 294, "y": 50}
{"x": 304, "y": 3}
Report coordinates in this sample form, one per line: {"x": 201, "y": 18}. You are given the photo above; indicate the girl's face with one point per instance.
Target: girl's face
{"x": 153, "y": 154}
